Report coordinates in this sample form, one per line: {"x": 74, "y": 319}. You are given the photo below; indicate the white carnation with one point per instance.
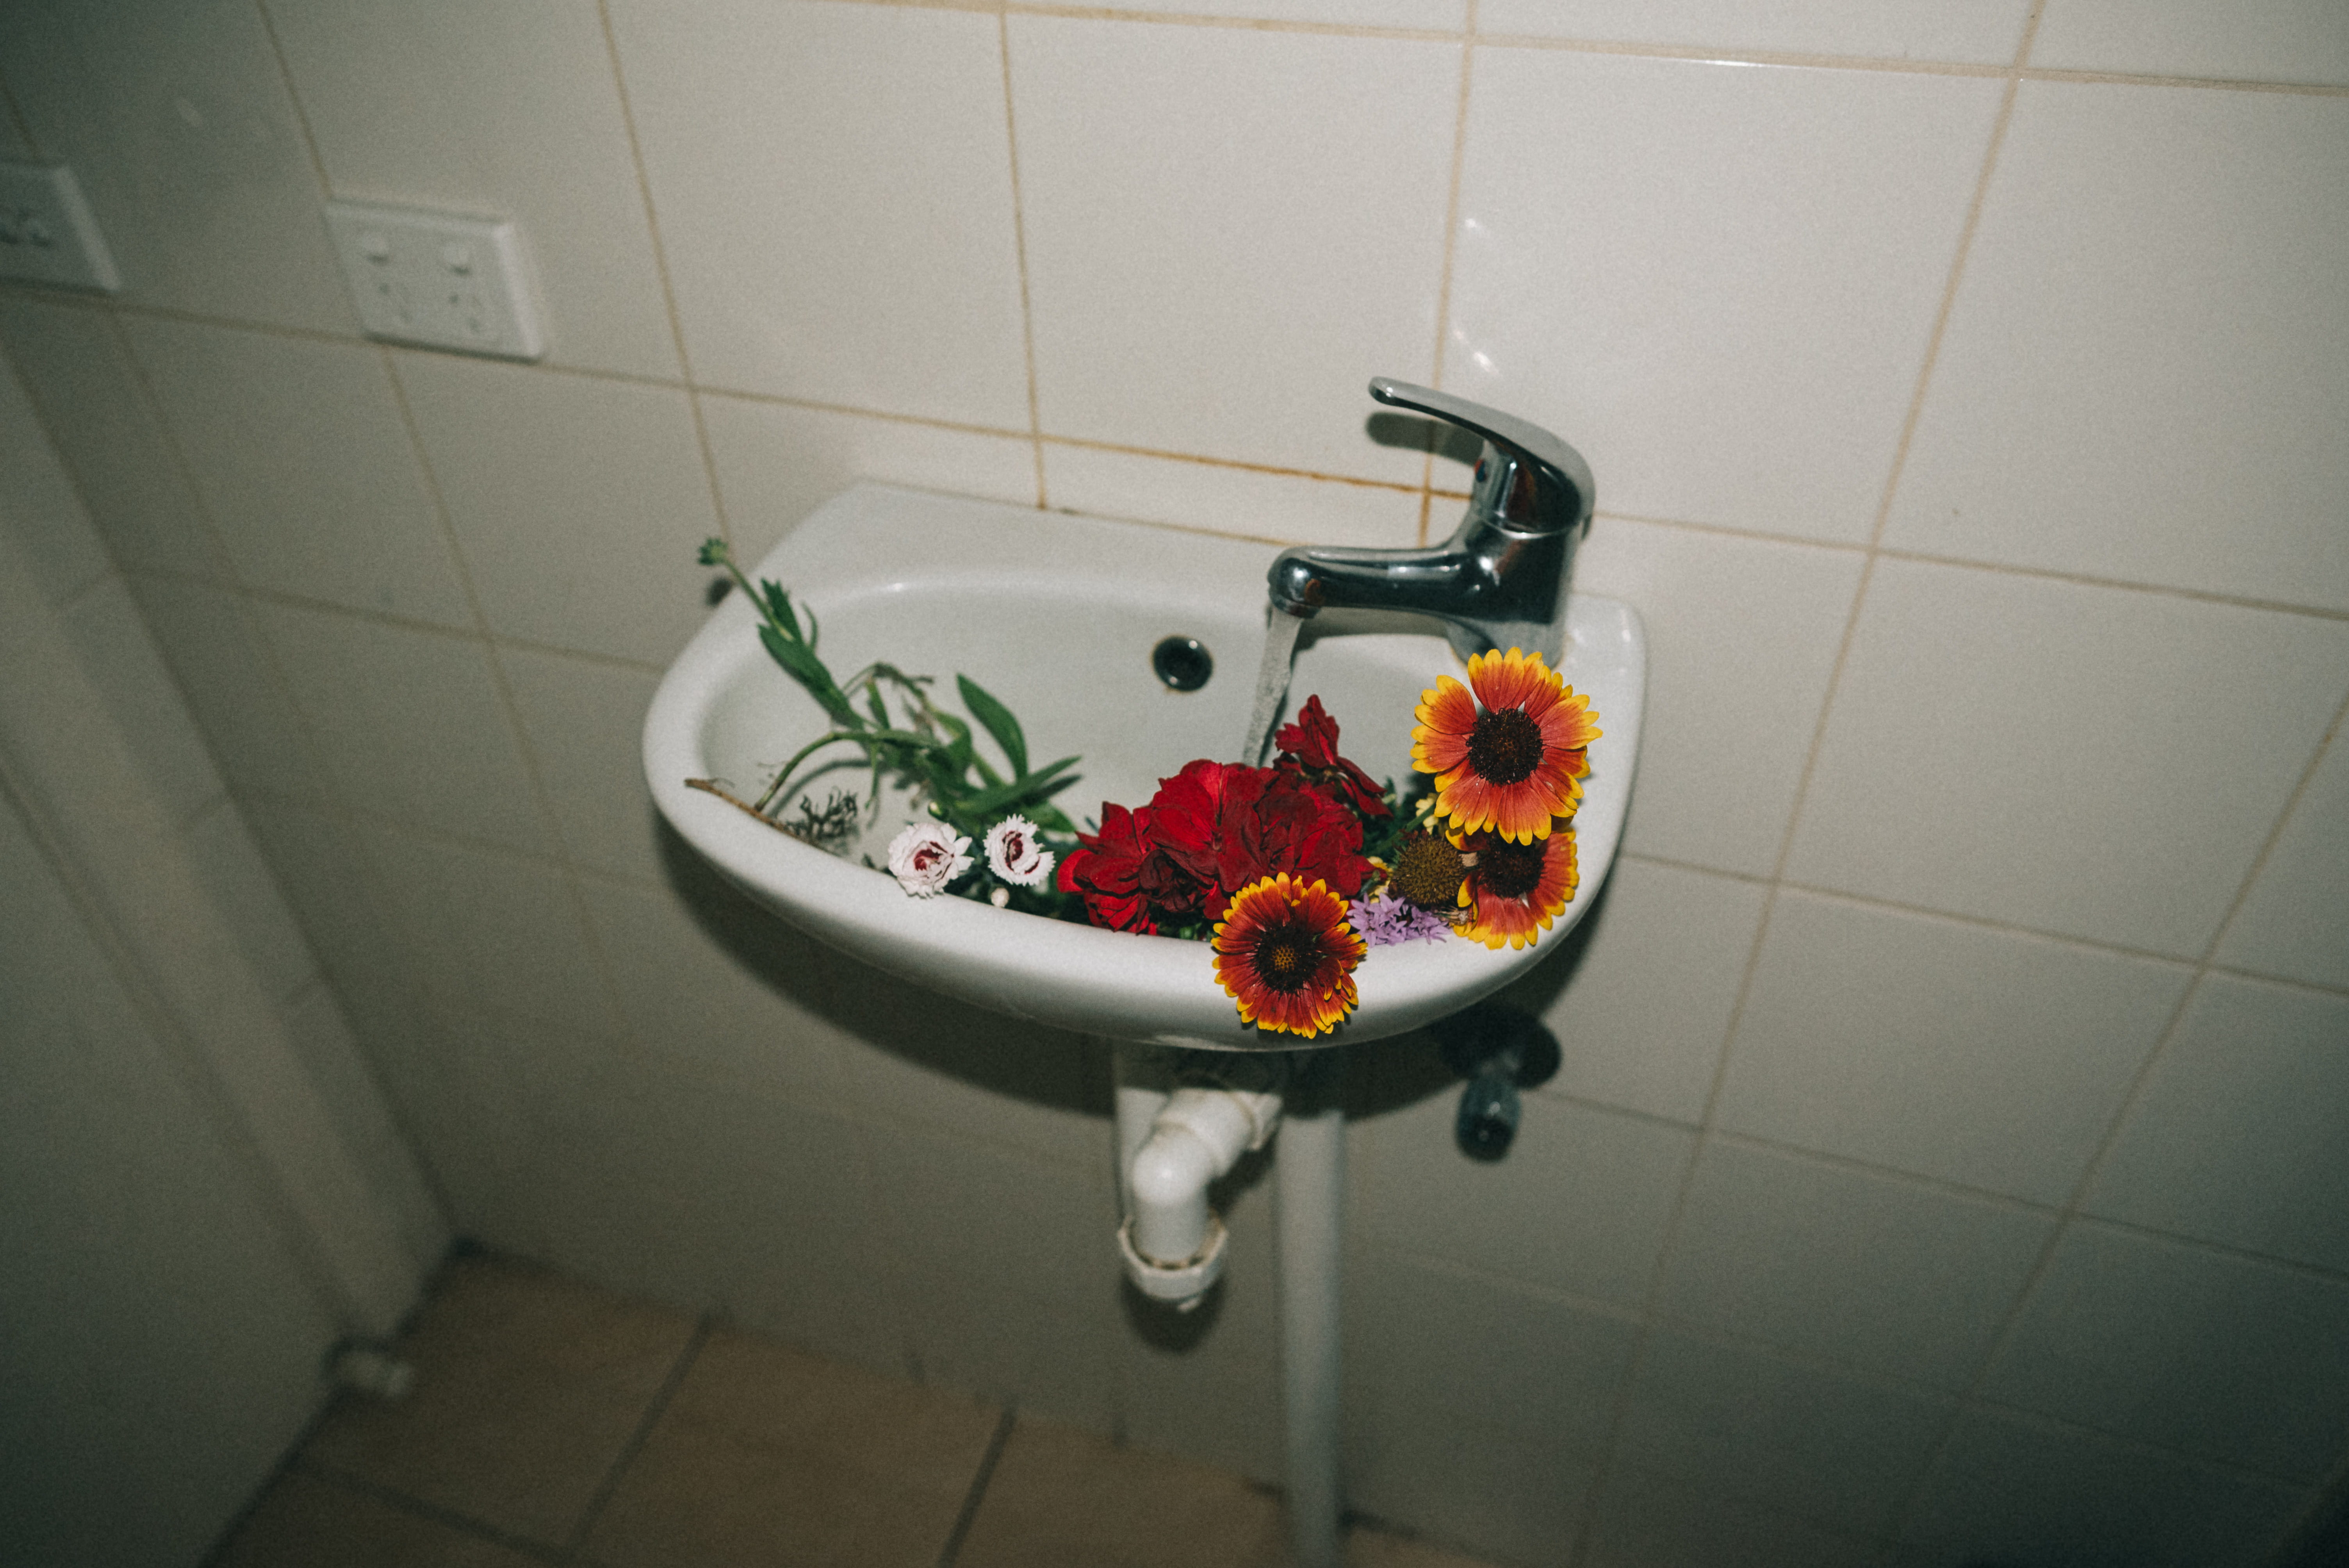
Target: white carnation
{"x": 927, "y": 856}
{"x": 1013, "y": 853}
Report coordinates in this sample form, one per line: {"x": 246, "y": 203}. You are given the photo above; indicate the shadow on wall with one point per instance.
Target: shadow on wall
{"x": 983, "y": 1050}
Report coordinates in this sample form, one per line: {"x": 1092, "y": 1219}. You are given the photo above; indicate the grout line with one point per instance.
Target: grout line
{"x": 1019, "y": 250}
{"x": 1429, "y": 493}
{"x": 601, "y": 1497}
{"x": 17, "y": 119}
{"x": 2125, "y": 1113}
{"x": 1451, "y": 242}
{"x": 392, "y": 1497}
{"x": 2084, "y": 579}
{"x": 1751, "y": 878}
{"x": 2207, "y": 84}
{"x": 533, "y": 766}
{"x": 262, "y": 648}
{"x": 1668, "y": 1246}
{"x": 978, "y": 1493}
{"x": 1223, "y": 23}
{"x": 661, "y": 271}
{"x": 293, "y": 96}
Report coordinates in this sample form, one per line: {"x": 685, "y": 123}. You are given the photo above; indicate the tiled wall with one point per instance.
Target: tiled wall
{"x": 1948, "y": 1163}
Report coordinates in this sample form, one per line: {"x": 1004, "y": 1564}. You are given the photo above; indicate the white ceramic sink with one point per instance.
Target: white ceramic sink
{"x": 1056, "y": 615}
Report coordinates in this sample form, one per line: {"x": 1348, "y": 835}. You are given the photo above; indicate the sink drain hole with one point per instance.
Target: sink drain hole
{"x": 1182, "y": 663}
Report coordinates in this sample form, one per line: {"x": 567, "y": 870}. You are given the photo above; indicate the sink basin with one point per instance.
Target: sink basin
{"x": 1057, "y": 616}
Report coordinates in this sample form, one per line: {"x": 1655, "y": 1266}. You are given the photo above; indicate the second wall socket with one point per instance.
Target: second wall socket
{"x": 438, "y": 280}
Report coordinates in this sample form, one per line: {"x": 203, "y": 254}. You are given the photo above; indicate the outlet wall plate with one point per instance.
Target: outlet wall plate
{"x": 48, "y": 232}
{"x": 438, "y": 280}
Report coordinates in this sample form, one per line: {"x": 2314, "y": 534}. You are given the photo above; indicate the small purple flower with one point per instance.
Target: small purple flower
{"x": 1386, "y": 920}
{"x": 927, "y": 856}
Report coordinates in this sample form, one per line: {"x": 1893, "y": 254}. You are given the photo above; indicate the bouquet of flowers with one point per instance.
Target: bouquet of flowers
{"x": 1291, "y": 872}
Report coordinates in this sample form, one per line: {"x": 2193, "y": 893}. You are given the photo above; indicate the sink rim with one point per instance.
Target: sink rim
{"x": 1153, "y": 989}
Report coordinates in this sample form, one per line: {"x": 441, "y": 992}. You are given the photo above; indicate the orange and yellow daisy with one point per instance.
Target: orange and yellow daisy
{"x": 1505, "y": 758}
{"x": 1513, "y": 890}
{"x": 1285, "y": 952}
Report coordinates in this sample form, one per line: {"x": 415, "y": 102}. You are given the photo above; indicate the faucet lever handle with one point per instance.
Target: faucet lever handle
{"x": 1539, "y": 485}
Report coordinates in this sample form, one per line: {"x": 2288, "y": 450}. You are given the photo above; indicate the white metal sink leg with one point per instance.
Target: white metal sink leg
{"x": 1310, "y": 1167}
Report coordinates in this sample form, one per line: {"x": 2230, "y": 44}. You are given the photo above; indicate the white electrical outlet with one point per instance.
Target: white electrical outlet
{"x": 438, "y": 280}
{"x": 48, "y": 234}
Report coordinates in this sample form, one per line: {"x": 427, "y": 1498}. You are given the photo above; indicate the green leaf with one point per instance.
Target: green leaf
{"x": 1038, "y": 784}
{"x": 999, "y": 721}
{"x": 778, "y": 605}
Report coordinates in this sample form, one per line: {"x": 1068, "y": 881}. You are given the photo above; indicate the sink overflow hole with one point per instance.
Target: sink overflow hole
{"x": 1182, "y": 663}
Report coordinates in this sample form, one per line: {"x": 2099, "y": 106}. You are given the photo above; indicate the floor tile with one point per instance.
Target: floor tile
{"x": 1063, "y": 1497}
{"x": 305, "y": 1521}
{"x": 528, "y": 1389}
{"x": 769, "y": 1456}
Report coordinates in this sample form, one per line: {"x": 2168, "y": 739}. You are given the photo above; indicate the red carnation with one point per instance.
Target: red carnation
{"x": 1106, "y": 870}
{"x": 1310, "y": 746}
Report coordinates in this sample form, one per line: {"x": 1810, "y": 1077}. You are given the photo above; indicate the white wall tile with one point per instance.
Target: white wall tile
{"x": 1471, "y": 1487}
{"x": 43, "y": 517}
{"x": 1434, "y": 1347}
{"x": 1280, "y": 509}
{"x": 833, "y": 187}
{"x": 584, "y": 722}
{"x": 1640, "y": 995}
{"x": 491, "y": 929}
{"x": 306, "y": 466}
{"x": 12, "y": 141}
{"x": 410, "y": 724}
{"x": 1715, "y": 281}
{"x": 1052, "y": 1269}
{"x": 509, "y": 109}
{"x": 2237, "y": 1138}
{"x": 177, "y": 122}
{"x": 229, "y": 864}
{"x": 363, "y": 1115}
{"x": 2223, "y": 1357}
{"x": 1736, "y": 1423}
{"x": 1980, "y": 1056}
{"x": 1866, "y": 1270}
{"x": 212, "y": 640}
{"x": 1977, "y": 32}
{"x": 1580, "y": 1205}
{"x": 1229, "y": 232}
{"x": 2087, "y": 760}
{"x": 1742, "y": 638}
{"x": 1443, "y": 16}
{"x": 2015, "y": 1490}
{"x": 579, "y": 503}
{"x": 777, "y": 463}
{"x": 910, "y": 1054}
{"x": 2295, "y": 922}
{"x": 1647, "y": 1522}
{"x": 2147, "y": 370}
{"x": 1206, "y": 1383}
{"x": 112, "y": 644}
{"x": 74, "y": 368}
{"x": 2275, "y": 41}
{"x": 715, "y": 986}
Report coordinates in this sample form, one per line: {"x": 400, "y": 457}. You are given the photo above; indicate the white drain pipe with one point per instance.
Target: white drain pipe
{"x": 1173, "y": 1139}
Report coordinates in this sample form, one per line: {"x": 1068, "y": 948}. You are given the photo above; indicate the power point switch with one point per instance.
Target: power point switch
{"x": 47, "y": 234}
{"x": 438, "y": 280}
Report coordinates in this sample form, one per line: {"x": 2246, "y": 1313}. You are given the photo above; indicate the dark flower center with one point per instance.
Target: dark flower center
{"x": 1511, "y": 870}
{"x": 1428, "y": 872}
{"x": 1286, "y": 958}
{"x": 1505, "y": 746}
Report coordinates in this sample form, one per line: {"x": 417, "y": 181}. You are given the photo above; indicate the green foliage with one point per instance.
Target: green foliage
{"x": 925, "y": 746}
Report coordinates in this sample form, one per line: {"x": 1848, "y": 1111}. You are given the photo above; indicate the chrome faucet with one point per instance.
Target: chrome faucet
{"x": 1500, "y": 582}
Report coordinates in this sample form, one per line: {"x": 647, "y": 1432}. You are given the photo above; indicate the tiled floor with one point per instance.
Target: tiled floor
{"x": 552, "y": 1423}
